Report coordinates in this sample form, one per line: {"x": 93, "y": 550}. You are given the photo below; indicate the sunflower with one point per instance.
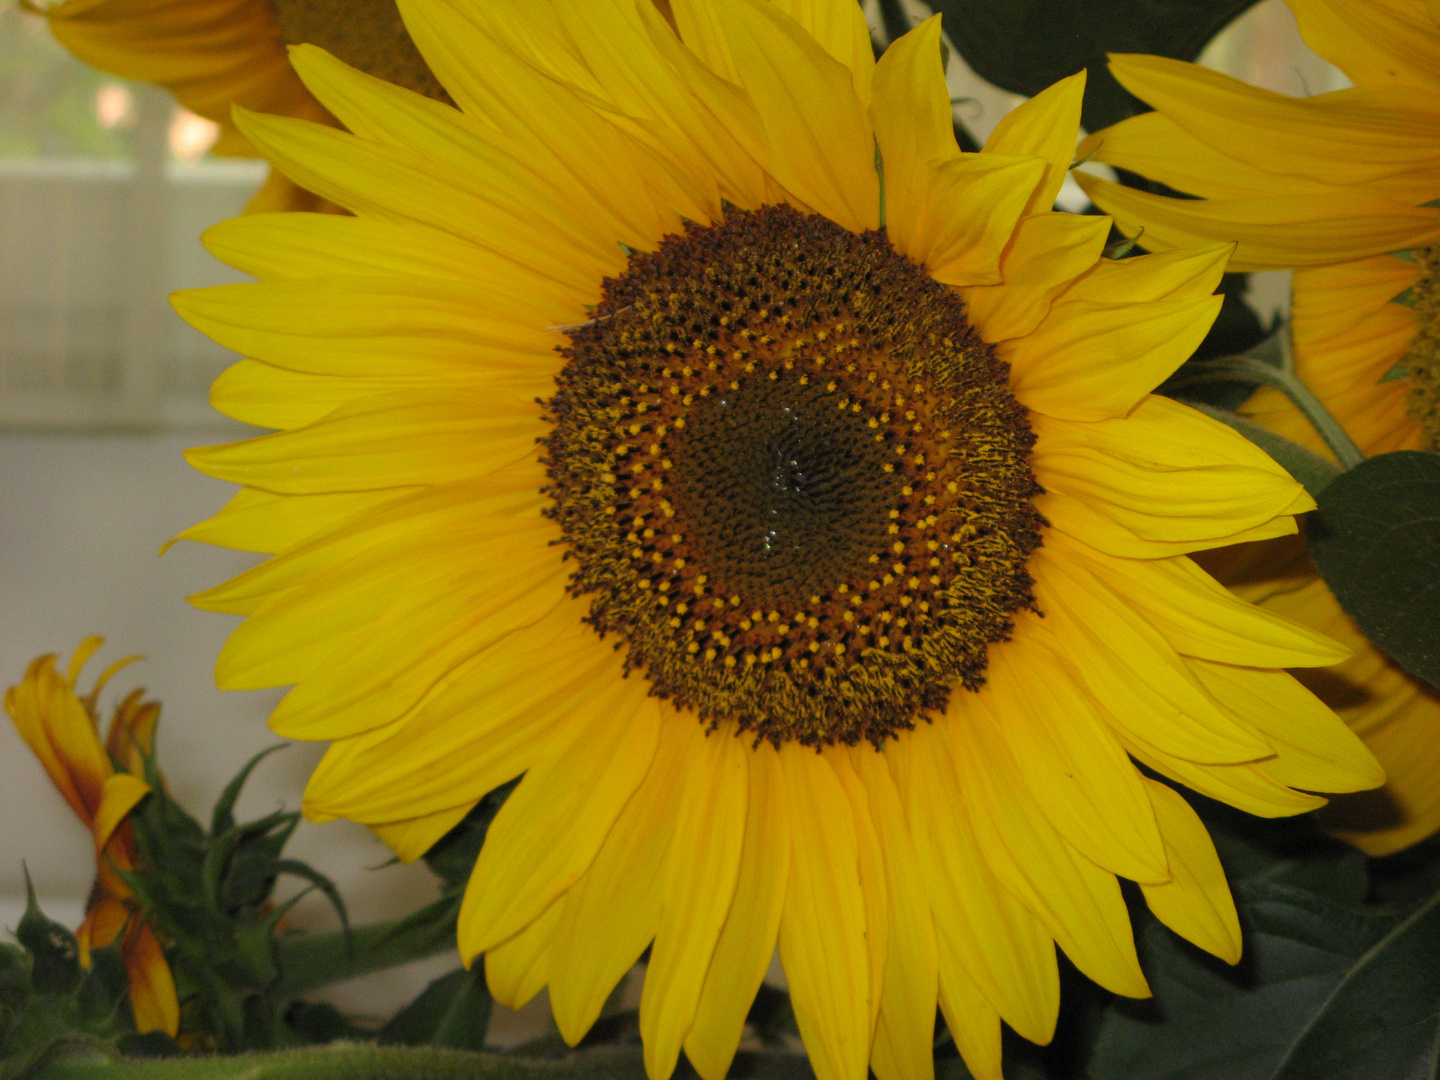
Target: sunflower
{"x": 212, "y": 53}
{"x": 1340, "y": 187}
{"x": 102, "y": 783}
{"x": 683, "y": 422}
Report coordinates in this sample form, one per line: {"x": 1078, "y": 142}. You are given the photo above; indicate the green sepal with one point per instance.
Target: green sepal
{"x": 222, "y": 817}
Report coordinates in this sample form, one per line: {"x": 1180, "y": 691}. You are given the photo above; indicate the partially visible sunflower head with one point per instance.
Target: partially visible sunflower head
{"x": 1343, "y": 189}
{"x": 102, "y": 782}
{"x": 683, "y": 422}
{"x": 212, "y": 55}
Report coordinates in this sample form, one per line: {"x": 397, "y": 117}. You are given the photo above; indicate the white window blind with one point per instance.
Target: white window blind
{"x": 92, "y": 243}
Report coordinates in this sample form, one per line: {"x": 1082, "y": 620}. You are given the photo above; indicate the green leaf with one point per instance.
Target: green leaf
{"x": 1025, "y": 45}
{"x": 465, "y": 1022}
{"x": 14, "y": 969}
{"x": 417, "y": 1022}
{"x": 1211, "y": 1022}
{"x": 453, "y": 855}
{"x": 1306, "y": 466}
{"x": 103, "y": 994}
{"x": 310, "y": 961}
{"x": 1376, "y": 541}
{"x": 1383, "y": 1020}
{"x": 54, "y": 952}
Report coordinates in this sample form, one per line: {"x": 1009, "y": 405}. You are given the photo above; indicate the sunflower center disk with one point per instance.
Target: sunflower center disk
{"x": 1422, "y": 361}
{"x": 793, "y": 479}
{"x": 366, "y": 34}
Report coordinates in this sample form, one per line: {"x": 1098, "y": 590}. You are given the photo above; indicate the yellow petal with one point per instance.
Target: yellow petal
{"x": 1196, "y": 901}
{"x": 485, "y": 722}
{"x": 55, "y": 725}
{"x": 1155, "y": 146}
{"x": 1244, "y": 786}
{"x": 1142, "y": 685}
{"x": 152, "y": 984}
{"x": 1075, "y": 771}
{"x": 1379, "y": 44}
{"x": 413, "y": 838}
{"x": 1094, "y": 361}
{"x": 408, "y": 327}
{"x": 821, "y": 146}
{"x": 1046, "y": 126}
{"x": 904, "y": 1035}
{"x": 519, "y": 174}
{"x": 1270, "y": 232}
{"x": 874, "y": 882}
{"x": 1183, "y": 274}
{"x": 547, "y": 833}
{"x": 275, "y": 397}
{"x": 747, "y": 940}
{"x": 395, "y": 440}
{"x": 257, "y": 520}
{"x": 402, "y": 185}
{"x": 1047, "y": 253}
{"x": 122, "y": 791}
{"x": 611, "y": 913}
{"x": 1346, "y": 138}
{"x": 699, "y": 887}
{"x": 1202, "y": 619}
{"x": 1079, "y": 903}
{"x": 1165, "y": 472}
{"x": 914, "y": 121}
{"x": 987, "y": 932}
{"x": 1315, "y": 751}
{"x": 283, "y": 247}
{"x": 516, "y": 969}
{"x": 1326, "y": 301}
{"x": 973, "y": 1022}
{"x": 840, "y": 29}
{"x": 822, "y": 928}
{"x": 972, "y": 205}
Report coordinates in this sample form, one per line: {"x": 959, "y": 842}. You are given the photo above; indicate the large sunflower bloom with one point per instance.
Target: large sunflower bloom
{"x": 102, "y": 784}
{"x": 1341, "y": 187}
{"x": 214, "y": 53}
{"x": 846, "y": 458}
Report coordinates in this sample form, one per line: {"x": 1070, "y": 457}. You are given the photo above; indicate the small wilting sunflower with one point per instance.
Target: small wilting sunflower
{"x": 102, "y": 783}
{"x": 1341, "y": 187}
{"x": 214, "y": 53}
{"x": 685, "y": 423}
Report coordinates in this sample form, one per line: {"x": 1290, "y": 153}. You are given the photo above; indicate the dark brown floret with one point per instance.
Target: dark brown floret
{"x": 793, "y": 479}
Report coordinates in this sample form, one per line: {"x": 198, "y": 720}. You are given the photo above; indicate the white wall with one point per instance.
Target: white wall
{"x": 81, "y": 519}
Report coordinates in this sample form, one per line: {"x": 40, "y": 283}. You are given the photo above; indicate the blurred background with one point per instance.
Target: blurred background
{"x": 105, "y": 187}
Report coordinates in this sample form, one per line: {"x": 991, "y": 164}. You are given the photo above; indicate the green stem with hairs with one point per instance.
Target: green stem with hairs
{"x": 351, "y": 1062}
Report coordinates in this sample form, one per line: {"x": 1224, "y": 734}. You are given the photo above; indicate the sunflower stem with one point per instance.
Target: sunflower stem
{"x": 349, "y": 1061}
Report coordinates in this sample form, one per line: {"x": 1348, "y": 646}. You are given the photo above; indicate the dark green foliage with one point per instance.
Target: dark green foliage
{"x": 1376, "y": 540}
{"x": 208, "y": 896}
{"x": 1026, "y": 45}
{"x": 47, "y": 997}
{"x": 452, "y": 1012}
